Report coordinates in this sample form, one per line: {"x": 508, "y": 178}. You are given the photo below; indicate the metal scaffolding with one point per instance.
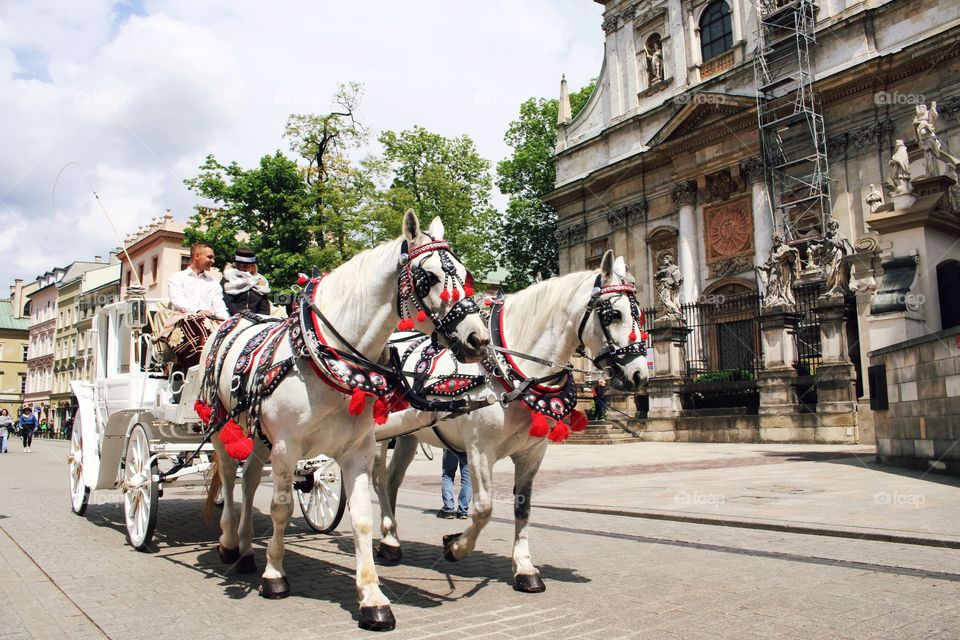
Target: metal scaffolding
{"x": 792, "y": 135}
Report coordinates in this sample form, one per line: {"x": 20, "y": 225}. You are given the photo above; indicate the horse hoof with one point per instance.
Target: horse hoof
{"x": 274, "y": 588}
{"x": 448, "y": 542}
{"x": 388, "y": 555}
{"x": 529, "y": 584}
{"x": 377, "y": 618}
{"x": 228, "y": 556}
{"x": 247, "y": 564}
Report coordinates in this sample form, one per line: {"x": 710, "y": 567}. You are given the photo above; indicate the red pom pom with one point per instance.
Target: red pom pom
{"x": 380, "y": 411}
{"x": 559, "y": 433}
{"x": 421, "y": 316}
{"x": 203, "y": 410}
{"x": 468, "y": 290}
{"x": 487, "y": 301}
{"x": 578, "y": 420}
{"x": 444, "y": 295}
{"x": 456, "y": 294}
{"x": 241, "y": 449}
{"x": 358, "y": 402}
{"x": 633, "y": 336}
{"x": 644, "y": 335}
{"x": 230, "y": 433}
{"x": 539, "y": 426}
{"x": 302, "y": 280}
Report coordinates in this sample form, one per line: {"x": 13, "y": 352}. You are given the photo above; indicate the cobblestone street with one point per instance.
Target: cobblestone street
{"x": 607, "y": 576}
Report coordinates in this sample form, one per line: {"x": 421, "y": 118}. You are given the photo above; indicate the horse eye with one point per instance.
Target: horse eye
{"x": 432, "y": 279}
{"x": 616, "y": 315}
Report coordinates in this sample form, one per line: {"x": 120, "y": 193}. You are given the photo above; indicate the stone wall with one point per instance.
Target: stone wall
{"x": 920, "y": 427}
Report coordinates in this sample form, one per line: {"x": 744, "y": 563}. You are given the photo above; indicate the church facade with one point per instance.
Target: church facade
{"x": 666, "y": 159}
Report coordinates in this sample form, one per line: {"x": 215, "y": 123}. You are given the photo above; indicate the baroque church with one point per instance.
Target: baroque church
{"x": 717, "y": 125}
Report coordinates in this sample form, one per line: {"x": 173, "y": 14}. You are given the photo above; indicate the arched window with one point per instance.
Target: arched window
{"x": 716, "y": 30}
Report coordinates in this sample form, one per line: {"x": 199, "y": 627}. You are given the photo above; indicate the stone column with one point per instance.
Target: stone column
{"x": 688, "y": 249}
{"x": 835, "y": 376}
{"x": 762, "y": 214}
{"x": 663, "y": 389}
{"x": 777, "y": 379}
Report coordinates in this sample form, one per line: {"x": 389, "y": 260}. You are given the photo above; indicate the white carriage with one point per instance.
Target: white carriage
{"x": 131, "y": 435}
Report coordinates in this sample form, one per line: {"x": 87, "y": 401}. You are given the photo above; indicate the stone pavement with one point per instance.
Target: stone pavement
{"x": 608, "y": 576}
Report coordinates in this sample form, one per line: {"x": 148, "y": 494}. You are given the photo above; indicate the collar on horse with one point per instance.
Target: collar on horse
{"x": 611, "y": 359}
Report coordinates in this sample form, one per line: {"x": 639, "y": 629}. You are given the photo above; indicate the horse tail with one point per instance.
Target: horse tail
{"x": 213, "y": 490}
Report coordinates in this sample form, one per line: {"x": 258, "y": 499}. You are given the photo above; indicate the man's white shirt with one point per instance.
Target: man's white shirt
{"x": 193, "y": 292}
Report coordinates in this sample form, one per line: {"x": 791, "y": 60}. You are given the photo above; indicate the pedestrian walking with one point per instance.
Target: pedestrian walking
{"x": 600, "y": 400}
{"x": 44, "y": 429}
{"x": 27, "y": 424}
{"x": 6, "y": 426}
{"x": 451, "y": 461}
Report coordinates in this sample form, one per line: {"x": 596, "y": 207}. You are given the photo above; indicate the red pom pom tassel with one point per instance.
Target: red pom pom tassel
{"x": 578, "y": 420}
{"x": 241, "y": 449}
{"x": 421, "y": 316}
{"x": 468, "y": 290}
{"x": 203, "y": 410}
{"x": 559, "y": 433}
{"x": 358, "y": 402}
{"x": 644, "y": 335}
{"x": 539, "y": 426}
{"x": 456, "y": 294}
{"x": 444, "y": 295}
{"x": 380, "y": 411}
{"x": 301, "y": 280}
{"x": 633, "y": 336}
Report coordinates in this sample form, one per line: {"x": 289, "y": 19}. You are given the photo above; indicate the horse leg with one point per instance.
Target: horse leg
{"x": 252, "y": 472}
{"x": 387, "y": 483}
{"x": 274, "y": 583}
{"x": 356, "y": 466}
{"x": 457, "y": 545}
{"x": 526, "y": 577}
{"x": 228, "y": 548}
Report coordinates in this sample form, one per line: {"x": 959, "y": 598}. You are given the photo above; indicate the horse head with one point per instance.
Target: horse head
{"x": 614, "y": 334}
{"x": 436, "y": 292}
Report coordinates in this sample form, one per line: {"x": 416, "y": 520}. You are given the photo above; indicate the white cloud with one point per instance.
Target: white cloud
{"x": 137, "y": 94}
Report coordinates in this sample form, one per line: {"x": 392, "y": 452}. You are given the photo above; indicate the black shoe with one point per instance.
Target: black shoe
{"x": 462, "y": 515}
{"x": 445, "y": 515}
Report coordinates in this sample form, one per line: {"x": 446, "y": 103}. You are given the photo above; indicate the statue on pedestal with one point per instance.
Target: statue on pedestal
{"x": 900, "y": 170}
{"x": 778, "y": 274}
{"x": 933, "y": 150}
{"x": 669, "y": 280}
{"x": 874, "y": 198}
{"x": 654, "y": 50}
{"x": 829, "y": 254}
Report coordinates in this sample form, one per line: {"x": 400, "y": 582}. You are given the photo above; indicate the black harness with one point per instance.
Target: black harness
{"x": 612, "y": 358}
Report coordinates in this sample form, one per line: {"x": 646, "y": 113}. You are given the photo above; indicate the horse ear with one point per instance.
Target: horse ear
{"x": 436, "y": 228}
{"x": 620, "y": 267}
{"x": 411, "y": 226}
{"x": 606, "y": 266}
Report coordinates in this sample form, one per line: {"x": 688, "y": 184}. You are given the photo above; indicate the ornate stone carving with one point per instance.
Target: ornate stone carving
{"x": 933, "y": 150}
{"x": 728, "y": 237}
{"x": 610, "y": 24}
{"x": 778, "y": 274}
{"x": 900, "y": 170}
{"x": 562, "y": 234}
{"x": 577, "y": 232}
{"x": 722, "y": 185}
{"x": 828, "y": 255}
{"x": 654, "y": 53}
{"x": 729, "y": 266}
{"x": 628, "y": 214}
{"x": 752, "y": 169}
{"x": 874, "y": 198}
{"x": 951, "y": 107}
{"x": 684, "y": 193}
{"x": 669, "y": 280}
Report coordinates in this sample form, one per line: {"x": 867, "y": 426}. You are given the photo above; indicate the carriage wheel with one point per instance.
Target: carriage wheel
{"x": 321, "y": 498}
{"x": 141, "y": 489}
{"x": 79, "y": 492}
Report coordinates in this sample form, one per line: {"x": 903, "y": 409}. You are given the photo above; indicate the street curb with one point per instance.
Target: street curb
{"x": 764, "y": 525}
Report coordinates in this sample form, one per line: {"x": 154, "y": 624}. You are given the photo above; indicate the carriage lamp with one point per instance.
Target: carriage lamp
{"x": 138, "y": 308}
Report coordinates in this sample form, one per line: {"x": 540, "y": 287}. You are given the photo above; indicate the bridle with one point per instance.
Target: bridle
{"x": 415, "y": 287}
{"x": 612, "y": 358}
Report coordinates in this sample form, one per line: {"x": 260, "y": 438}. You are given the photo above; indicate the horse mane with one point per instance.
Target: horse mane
{"x": 341, "y": 284}
{"x": 542, "y": 306}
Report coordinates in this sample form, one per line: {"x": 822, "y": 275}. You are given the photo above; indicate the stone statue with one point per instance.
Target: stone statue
{"x": 655, "y": 60}
{"x": 669, "y": 280}
{"x": 829, "y": 254}
{"x": 900, "y": 170}
{"x": 778, "y": 274}
{"x": 933, "y": 150}
{"x": 874, "y": 198}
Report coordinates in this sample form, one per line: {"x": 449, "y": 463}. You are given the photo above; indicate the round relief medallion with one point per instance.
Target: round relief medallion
{"x": 730, "y": 231}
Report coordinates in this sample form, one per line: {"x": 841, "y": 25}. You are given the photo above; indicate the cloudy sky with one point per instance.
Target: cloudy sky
{"x": 127, "y": 98}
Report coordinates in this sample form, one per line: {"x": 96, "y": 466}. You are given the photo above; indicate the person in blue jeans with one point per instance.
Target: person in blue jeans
{"x": 452, "y": 460}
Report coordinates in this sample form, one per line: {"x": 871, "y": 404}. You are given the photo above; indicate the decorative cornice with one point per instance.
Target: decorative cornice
{"x": 684, "y": 193}
{"x": 752, "y": 169}
{"x": 577, "y": 233}
{"x": 627, "y": 214}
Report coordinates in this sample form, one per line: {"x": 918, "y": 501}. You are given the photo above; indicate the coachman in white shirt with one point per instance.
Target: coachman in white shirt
{"x": 197, "y": 300}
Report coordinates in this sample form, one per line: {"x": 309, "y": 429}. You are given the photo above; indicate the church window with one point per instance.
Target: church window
{"x": 598, "y": 247}
{"x": 716, "y": 30}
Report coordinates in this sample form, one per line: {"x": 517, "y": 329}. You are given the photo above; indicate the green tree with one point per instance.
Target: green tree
{"x": 446, "y": 177}
{"x": 525, "y": 237}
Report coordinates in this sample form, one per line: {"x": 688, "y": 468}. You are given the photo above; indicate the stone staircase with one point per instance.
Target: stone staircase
{"x": 601, "y": 432}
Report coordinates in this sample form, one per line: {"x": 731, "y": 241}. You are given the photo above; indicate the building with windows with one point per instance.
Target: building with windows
{"x": 716, "y": 124}
{"x": 152, "y": 254}
{"x": 14, "y": 338}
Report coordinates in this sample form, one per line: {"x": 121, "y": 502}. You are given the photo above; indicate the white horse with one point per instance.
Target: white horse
{"x": 548, "y": 320}
{"x": 305, "y": 416}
